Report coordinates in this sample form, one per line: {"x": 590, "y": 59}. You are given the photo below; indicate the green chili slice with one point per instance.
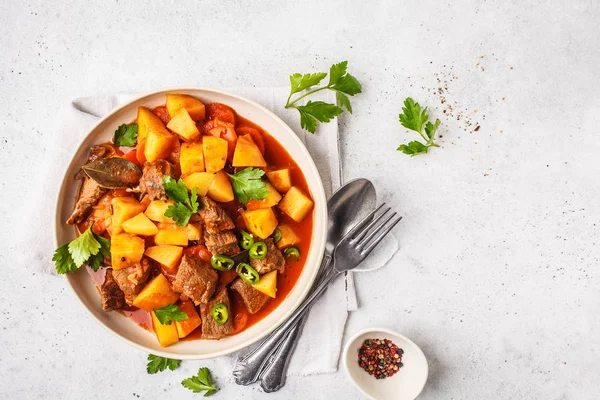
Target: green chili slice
{"x": 292, "y": 251}
{"x": 222, "y": 263}
{"x": 247, "y": 240}
{"x": 220, "y": 313}
{"x": 277, "y": 235}
{"x": 258, "y": 251}
{"x": 248, "y": 274}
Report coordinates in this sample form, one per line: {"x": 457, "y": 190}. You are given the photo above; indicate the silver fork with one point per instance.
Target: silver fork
{"x": 348, "y": 254}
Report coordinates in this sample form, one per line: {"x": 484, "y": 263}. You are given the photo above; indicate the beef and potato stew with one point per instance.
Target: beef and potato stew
{"x": 193, "y": 221}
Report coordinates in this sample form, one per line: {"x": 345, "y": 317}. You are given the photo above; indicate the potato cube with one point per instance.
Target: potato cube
{"x": 182, "y": 124}
{"x": 171, "y": 234}
{"x": 221, "y": 190}
{"x": 271, "y": 200}
{"x": 124, "y": 208}
{"x": 280, "y": 179}
{"x": 140, "y": 225}
{"x": 156, "y": 294}
{"x": 156, "y": 137}
{"x": 261, "y": 222}
{"x": 191, "y": 158}
{"x": 194, "y": 231}
{"x": 200, "y": 180}
{"x": 156, "y": 210}
{"x": 167, "y": 255}
{"x": 296, "y": 204}
{"x": 267, "y": 284}
{"x": 125, "y": 250}
{"x": 147, "y": 121}
{"x": 247, "y": 153}
{"x": 288, "y": 237}
{"x": 215, "y": 153}
{"x": 158, "y": 144}
{"x": 166, "y": 334}
{"x": 187, "y": 326}
{"x": 192, "y": 105}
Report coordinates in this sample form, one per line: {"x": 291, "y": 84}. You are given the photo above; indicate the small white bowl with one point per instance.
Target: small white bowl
{"x": 407, "y": 383}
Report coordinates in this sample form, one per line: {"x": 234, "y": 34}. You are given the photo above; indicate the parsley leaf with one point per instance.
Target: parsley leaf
{"x": 185, "y": 205}
{"x": 300, "y": 82}
{"x": 179, "y": 213}
{"x": 348, "y": 84}
{"x": 431, "y": 128}
{"x": 96, "y": 261}
{"x": 83, "y": 247}
{"x": 176, "y": 190}
{"x": 170, "y": 313}
{"x": 159, "y": 364}
{"x": 337, "y": 71}
{"x": 413, "y": 148}
{"x": 63, "y": 260}
{"x": 87, "y": 248}
{"x": 248, "y": 185}
{"x": 413, "y": 118}
{"x": 343, "y": 101}
{"x": 340, "y": 81}
{"x": 126, "y": 135}
{"x": 201, "y": 381}
{"x": 317, "y": 110}
{"x": 322, "y": 111}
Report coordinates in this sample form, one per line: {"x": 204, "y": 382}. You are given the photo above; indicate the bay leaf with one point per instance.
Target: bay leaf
{"x": 113, "y": 173}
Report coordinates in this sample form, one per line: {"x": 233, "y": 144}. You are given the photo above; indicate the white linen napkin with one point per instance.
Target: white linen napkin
{"x": 322, "y": 335}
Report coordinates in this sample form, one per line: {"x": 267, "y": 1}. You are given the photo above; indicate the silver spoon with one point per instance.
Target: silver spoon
{"x": 346, "y": 208}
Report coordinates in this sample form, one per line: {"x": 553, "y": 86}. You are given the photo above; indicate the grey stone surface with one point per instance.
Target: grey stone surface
{"x": 497, "y": 277}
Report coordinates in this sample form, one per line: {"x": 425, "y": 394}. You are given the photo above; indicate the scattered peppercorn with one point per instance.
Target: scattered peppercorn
{"x": 380, "y": 357}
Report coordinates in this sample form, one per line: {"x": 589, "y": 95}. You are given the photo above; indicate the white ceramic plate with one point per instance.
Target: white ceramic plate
{"x": 126, "y": 329}
{"x": 406, "y": 384}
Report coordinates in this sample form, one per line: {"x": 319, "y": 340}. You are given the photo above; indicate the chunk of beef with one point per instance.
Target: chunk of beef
{"x": 224, "y": 243}
{"x": 103, "y": 150}
{"x": 152, "y": 179}
{"x": 131, "y": 280}
{"x": 89, "y": 194}
{"x": 214, "y": 217}
{"x": 195, "y": 279}
{"x": 210, "y": 328}
{"x": 253, "y": 299}
{"x": 111, "y": 295}
{"x": 273, "y": 260}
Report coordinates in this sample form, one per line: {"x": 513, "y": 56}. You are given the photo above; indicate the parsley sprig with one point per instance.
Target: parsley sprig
{"x": 88, "y": 248}
{"x": 247, "y": 184}
{"x": 414, "y": 118}
{"x": 159, "y": 364}
{"x": 126, "y": 135}
{"x": 340, "y": 81}
{"x": 170, "y": 313}
{"x": 200, "y": 382}
{"x": 185, "y": 205}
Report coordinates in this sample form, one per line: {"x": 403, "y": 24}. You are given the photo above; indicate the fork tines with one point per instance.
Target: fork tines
{"x": 373, "y": 228}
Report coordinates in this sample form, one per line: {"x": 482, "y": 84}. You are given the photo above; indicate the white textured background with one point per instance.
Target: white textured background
{"x": 497, "y": 278}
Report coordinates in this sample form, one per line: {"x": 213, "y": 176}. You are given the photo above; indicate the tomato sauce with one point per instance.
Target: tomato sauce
{"x": 277, "y": 158}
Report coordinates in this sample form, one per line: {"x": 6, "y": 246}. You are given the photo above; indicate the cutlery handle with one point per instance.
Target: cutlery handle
{"x": 273, "y": 376}
{"x": 248, "y": 368}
